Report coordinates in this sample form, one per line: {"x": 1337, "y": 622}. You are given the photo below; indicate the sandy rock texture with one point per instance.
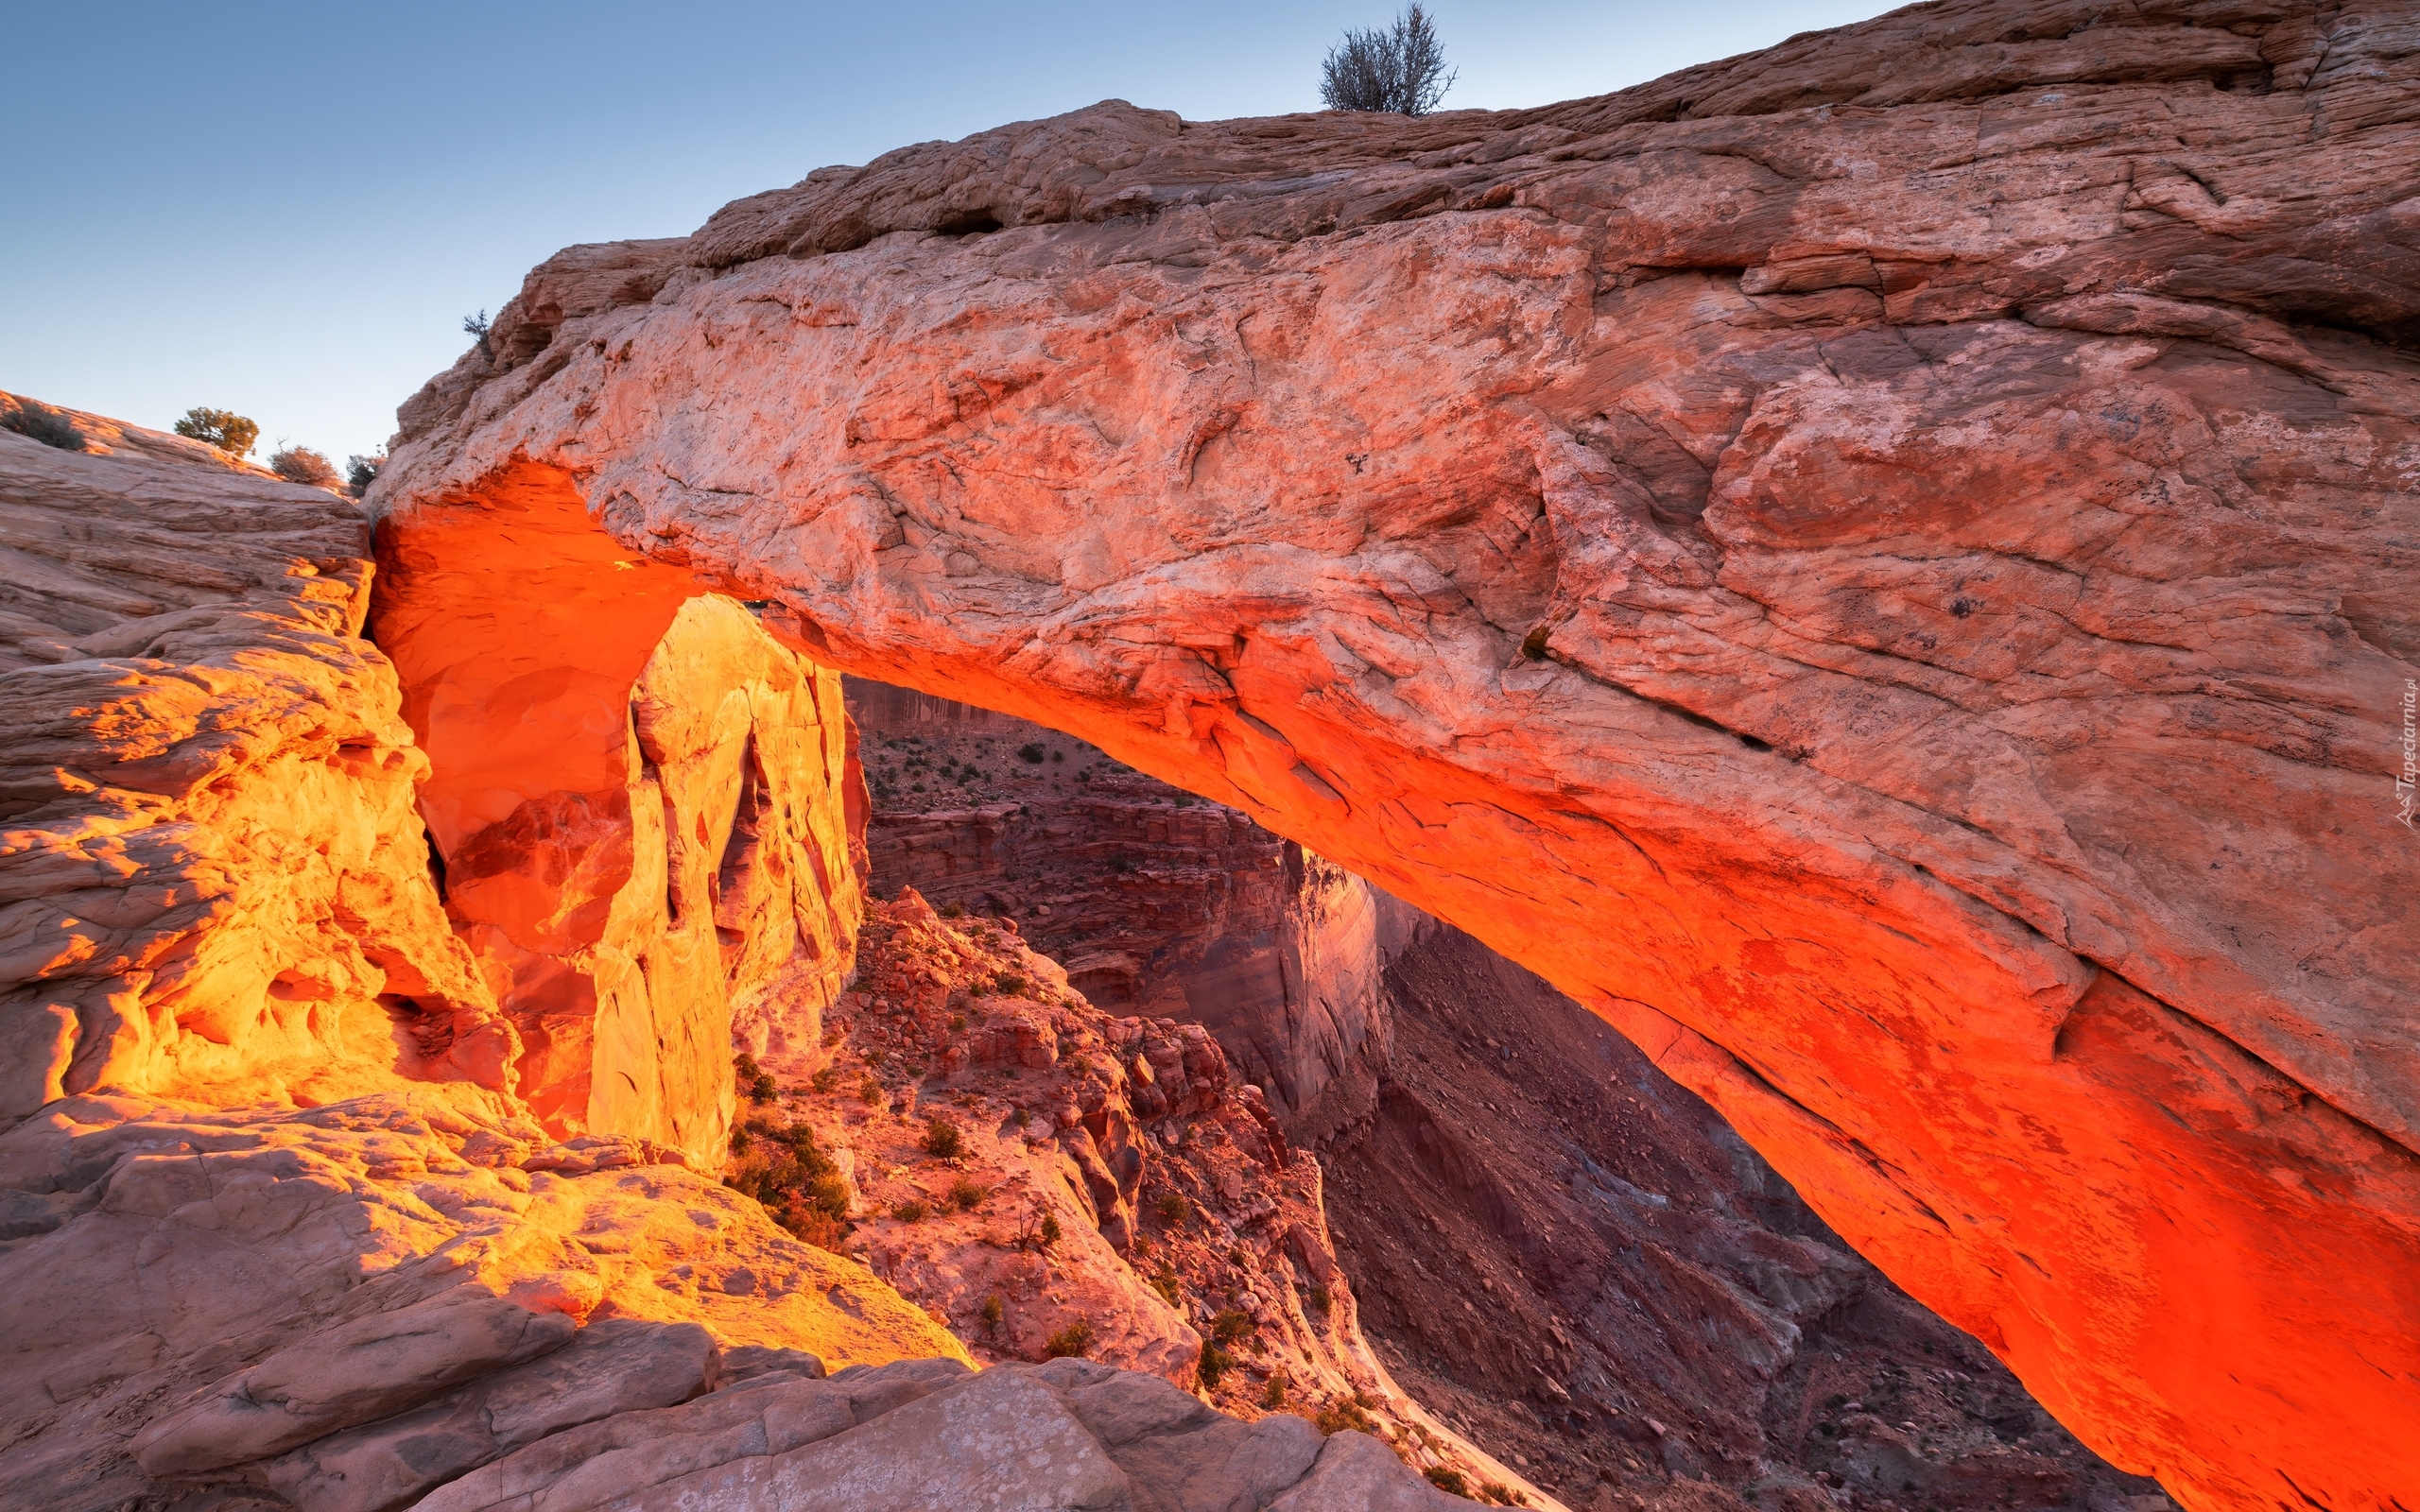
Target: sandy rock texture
{"x": 343, "y": 1307}
{"x": 211, "y": 880}
{"x": 1883, "y": 566}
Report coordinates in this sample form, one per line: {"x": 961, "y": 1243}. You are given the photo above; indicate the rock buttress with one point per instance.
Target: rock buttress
{"x": 1883, "y": 567}
{"x": 641, "y": 803}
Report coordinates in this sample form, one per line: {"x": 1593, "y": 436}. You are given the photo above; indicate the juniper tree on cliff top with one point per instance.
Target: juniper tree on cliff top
{"x": 1402, "y": 70}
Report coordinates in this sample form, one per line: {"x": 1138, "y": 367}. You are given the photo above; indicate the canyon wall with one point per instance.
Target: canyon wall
{"x": 1158, "y": 904}
{"x": 1882, "y": 567}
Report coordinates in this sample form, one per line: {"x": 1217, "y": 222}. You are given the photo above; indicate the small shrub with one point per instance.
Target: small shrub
{"x": 40, "y": 422}
{"x": 1401, "y": 71}
{"x": 910, "y": 1210}
{"x": 1050, "y": 1230}
{"x": 224, "y": 429}
{"x": 1451, "y": 1482}
{"x": 300, "y": 464}
{"x": 953, "y": 910}
{"x": 993, "y": 1310}
{"x": 1121, "y": 864}
{"x": 361, "y": 472}
{"x": 755, "y": 1083}
{"x": 798, "y": 1184}
{"x": 1342, "y": 1415}
{"x": 826, "y": 1079}
{"x": 1164, "y": 1283}
{"x": 1058, "y": 755}
{"x": 1009, "y": 985}
{"x": 965, "y": 1196}
{"x": 1321, "y": 1300}
{"x": 1171, "y": 1208}
{"x": 1030, "y": 753}
{"x": 870, "y": 1091}
{"x": 1074, "y": 1339}
{"x": 942, "y": 1141}
{"x": 1503, "y": 1495}
{"x": 1274, "y": 1395}
{"x": 1214, "y": 1365}
{"x": 958, "y": 1023}
{"x": 1231, "y": 1325}
{"x": 477, "y": 325}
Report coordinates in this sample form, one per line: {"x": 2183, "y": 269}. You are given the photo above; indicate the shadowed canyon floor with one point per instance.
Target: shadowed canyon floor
{"x": 1882, "y": 567}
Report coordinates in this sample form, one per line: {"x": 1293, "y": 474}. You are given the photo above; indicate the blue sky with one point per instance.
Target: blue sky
{"x": 286, "y": 210}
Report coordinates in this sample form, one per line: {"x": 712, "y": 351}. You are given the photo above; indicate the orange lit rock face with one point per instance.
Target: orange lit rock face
{"x": 216, "y": 883}
{"x": 1884, "y": 567}
{"x": 639, "y": 806}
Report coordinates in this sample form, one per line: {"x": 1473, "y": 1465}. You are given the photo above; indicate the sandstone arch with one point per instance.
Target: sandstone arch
{"x": 1870, "y": 565}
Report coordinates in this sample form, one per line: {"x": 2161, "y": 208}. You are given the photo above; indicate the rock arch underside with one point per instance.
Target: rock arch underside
{"x": 1886, "y": 567}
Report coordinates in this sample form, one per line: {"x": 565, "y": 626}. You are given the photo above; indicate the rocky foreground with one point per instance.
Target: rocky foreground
{"x": 1882, "y": 567}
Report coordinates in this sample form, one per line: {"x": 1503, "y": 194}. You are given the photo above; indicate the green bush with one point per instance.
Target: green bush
{"x": 1030, "y": 753}
{"x": 1231, "y": 1325}
{"x": 942, "y": 1141}
{"x": 965, "y": 1196}
{"x": 755, "y": 1083}
{"x": 1214, "y": 1365}
{"x": 40, "y": 422}
{"x": 222, "y": 428}
{"x": 782, "y": 1167}
{"x": 910, "y": 1210}
{"x": 361, "y": 472}
{"x": 1074, "y": 1339}
{"x": 1171, "y": 1208}
{"x": 993, "y": 1310}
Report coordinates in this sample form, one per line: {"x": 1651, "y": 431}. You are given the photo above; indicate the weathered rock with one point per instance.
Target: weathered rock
{"x": 356, "y": 1372}
{"x": 211, "y": 880}
{"x": 253, "y": 1296}
{"x": 1882, "y": 566}
{"x": 642, "y": 886}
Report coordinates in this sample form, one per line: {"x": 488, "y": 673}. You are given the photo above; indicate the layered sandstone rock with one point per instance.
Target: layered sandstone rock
{"x": 1883, "y": 567}
{"x": 350, "y": 1304}
{"x": 213, "y": 881}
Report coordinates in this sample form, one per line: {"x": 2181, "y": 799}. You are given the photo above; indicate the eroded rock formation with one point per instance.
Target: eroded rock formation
{"x": 675, "y": 853}
{"x": 1882, "y": 566}
{"x": 214, "y": 880}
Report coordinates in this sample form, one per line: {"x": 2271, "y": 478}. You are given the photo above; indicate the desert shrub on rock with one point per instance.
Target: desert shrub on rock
{"x": 40, "y": 422}
{"x": 784, "y": 1168}
{"x": 1074, "y": 1339}
{"x": 300, "y": 464}
{"x": 361, "y": 472}
{"x": 222, "y": 428}
{"x": 1401, "y": 70}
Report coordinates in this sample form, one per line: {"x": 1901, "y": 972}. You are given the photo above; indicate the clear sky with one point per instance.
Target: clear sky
{"x": 286, "y": 210}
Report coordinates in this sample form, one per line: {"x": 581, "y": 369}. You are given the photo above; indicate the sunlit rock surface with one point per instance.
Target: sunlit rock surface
{"x": 673, "y": 860}
{"x": 1882, "y": 566}
{"x": 213, "y": 883}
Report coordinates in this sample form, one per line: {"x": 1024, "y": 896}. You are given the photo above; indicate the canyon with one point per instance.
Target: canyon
{"x": 1877, "y": 570}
